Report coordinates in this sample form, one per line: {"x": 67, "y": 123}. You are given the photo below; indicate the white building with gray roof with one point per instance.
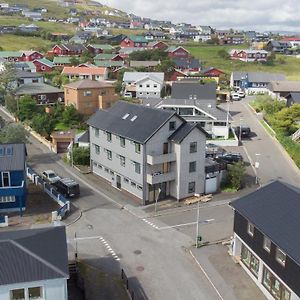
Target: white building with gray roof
{"x": 143, "y": 84}
{"x": 149, "y": 153}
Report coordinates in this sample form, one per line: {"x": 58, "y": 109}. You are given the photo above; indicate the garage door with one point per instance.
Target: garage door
{"x": 62, "y": 147}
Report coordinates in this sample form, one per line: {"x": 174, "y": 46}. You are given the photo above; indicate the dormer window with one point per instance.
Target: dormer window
{"x": 280, "y": 256}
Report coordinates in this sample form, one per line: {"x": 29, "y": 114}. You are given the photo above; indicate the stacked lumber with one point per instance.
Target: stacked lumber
{"x": 194, "y": 199}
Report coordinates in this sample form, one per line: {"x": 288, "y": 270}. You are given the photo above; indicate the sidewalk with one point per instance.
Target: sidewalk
{"x": 228, "y": 277}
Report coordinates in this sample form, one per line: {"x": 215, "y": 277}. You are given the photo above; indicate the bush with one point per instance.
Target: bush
{"x": 292, "y": 148}
{"x": 234, "y": 178}
{"x": 81, "y": 156}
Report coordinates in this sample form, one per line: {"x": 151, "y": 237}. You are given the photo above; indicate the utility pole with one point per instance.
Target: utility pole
{"x": 197, "y": 227}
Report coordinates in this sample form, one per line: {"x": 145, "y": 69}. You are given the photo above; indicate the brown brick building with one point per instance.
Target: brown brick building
{"x": 89, "y": 95}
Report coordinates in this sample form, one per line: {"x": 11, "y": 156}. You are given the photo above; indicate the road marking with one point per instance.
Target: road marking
{"x": 150, "y": 223}
{"x": 206, "y": 275}
{"x": 103, "y": 241}
{"x": 186, "y": 224}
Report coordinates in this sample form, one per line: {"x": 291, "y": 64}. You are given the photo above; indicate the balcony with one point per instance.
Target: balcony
{"x": 160, "y": 159}
{"x": 159, "y": 177}
{"x": 13, "y": 190}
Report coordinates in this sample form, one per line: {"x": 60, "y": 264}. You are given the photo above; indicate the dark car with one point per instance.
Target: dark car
{"x": 230, "y": 158}
{"x": 67, "y": 187}
{"x": 243, "y": 131}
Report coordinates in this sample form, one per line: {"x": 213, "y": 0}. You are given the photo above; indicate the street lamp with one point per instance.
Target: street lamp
{"x": 197, "y": 221}
{"x": 256, "y": 166}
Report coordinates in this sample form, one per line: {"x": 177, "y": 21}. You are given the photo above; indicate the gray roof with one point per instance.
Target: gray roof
{"x": 275, "y": 211}
{"x": 295, "y": 97}
{"x": 187, "y": 63}
{"x": 258, "y": 76}
{"x": 145, "y": 63}
{"x": 25, "y": 74}
{"x": 206, "y": 105}
{"x": 33, "y": 255}
{"x": 36, "y": 88}
{"x": 284, "y": 86}
{"x": 136, "y": 76}
{"x": 85, "y": 137}
{"x": 139, "y": 129}
{"x": 183, "y": 131}
{"x": 185, "y": 89}
{"x": 14, "y": 161}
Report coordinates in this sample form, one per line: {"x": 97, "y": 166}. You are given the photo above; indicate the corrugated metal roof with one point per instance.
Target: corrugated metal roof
{"x": 275, "y": 211}
{"x": 14, "y": 161}
{"x": 184, "y": 90}
{"x": 36, "y": 88}
{"x": 33, "y": 255}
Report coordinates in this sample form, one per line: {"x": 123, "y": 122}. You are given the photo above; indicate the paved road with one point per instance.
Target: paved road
{"x": 273, "y": 162}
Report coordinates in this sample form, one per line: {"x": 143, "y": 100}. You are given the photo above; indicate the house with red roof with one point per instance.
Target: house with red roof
{"x": 178, "y": 52}
{"x": 31, "y": 55}
{"x": 93, "y": 73}
{"x": 158, "y": 45}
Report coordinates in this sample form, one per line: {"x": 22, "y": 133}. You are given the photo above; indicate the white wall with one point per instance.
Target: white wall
{"x": 54, "y": 289}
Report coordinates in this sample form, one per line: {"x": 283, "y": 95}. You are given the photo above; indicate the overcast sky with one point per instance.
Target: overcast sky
{"x": 263, "y": 15}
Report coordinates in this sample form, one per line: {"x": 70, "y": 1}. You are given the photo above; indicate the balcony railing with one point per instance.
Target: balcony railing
{"x": 160, "y": 159}
{"x": 159, "y": 177}
{"x": 12, "y": 190}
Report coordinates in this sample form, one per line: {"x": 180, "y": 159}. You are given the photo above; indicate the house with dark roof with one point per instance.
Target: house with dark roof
{"x": 196, "y": 103}
{"x": 254, "y": 82}
{"x": 292, "y": 98}
{"x": 34, "y": 264}
{"x": 44, "y": 94}
{"x": 266, "y": 240}
{"x": 282, "y": 88}
{"x": 24, "y": 77}
{"x": 134, "y": 41}
{"x": 188, "y": 65}
{"x": 68, "y": 49}
{"x": 147, "y": 152}
{"x": 278, "y": 46}
{"x": 13, "y": 177}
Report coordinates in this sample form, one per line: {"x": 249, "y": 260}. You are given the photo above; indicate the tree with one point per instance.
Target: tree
{"x": 236, "y": 172}
{"x": 74, "y": 61}
{"x": 81, "y": 156}
{"x": 7, "y": 77}
{"x": 43, "y": 124}
{"x": 27, "y": 108}
{"x": 223, "y": 54}
{"x": 71, "y": 116}
{"x": 271, "y": 59}
{"x": 11, "y": 103}
{"x": 13, "y": 133}
{"x": 166, "y": 66}
{"x": 60, "y": 80}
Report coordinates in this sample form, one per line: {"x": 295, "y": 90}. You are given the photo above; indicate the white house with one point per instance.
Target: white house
{"x": 34, "y": 264}
{"x": 143, "y": 84}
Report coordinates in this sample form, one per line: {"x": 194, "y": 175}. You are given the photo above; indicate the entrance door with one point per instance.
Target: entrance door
{"x": 118, "y": 179}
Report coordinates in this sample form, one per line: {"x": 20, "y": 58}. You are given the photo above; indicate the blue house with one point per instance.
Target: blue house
{"x": 12, "y": 177}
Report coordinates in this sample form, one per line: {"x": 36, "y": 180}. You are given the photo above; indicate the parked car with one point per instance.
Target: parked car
{"x": 212, "y": 150}
{"x": 50, "y": 176}
{"x": 68, "y": 187}
{"x": 127, "y": 95}
{"x": 235, "y": 96}
{"x": 241, "y": 94}
{"x": 243, "y": 131}
{"x": 230, "y": 158}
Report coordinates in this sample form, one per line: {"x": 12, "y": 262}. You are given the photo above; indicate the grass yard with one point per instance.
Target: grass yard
{"x": 10, "y": 42}
{"x": 208, "y": 54}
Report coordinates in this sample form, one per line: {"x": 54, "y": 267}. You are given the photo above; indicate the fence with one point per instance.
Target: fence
{"x": 134, "y": 289}
{"x": 3, "y": 221}
{"x": 60, "y": 199}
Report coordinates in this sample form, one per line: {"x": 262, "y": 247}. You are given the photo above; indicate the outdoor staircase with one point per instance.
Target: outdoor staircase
{"x": 296, "y": 136}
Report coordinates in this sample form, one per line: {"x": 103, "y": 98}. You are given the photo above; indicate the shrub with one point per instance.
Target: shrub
{"x": 81, "y": 156}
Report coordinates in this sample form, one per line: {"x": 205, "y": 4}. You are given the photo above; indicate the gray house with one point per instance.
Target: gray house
{"x": 149, "y": 153}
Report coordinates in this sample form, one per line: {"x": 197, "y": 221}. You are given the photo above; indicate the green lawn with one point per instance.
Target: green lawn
{"x": 209, "y": 56}
{"x": 10, "y": 42}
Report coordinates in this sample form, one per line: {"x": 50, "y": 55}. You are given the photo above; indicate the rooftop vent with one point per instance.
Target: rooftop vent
{"x": 125, "y": 116}
{"x": 133, "y": 118}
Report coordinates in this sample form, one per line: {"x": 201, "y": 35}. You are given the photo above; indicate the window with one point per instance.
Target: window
{"x": 139, "y": 188}
{"x": 108, "y": 135}
{"x": 87, "y": 93}
{"x": 267, "y": 244}
{"x": 280, "y": 256}
{"x": 172, "y": 125}
{"x": 137, "y": 167}
{"x": 250, "y": 229}
{"x": 140, "y": 85}
{"x": 274, "y": 286}
{"x": 112, "y": 173}
{"x": 147, "y": 85}
{"x": 191, "y": 188}
{"x": 5, "y": 179}
{"x": 192, "y": 167}
{"x": 249, "y": 260}
{"x": 106, "y": 170}
{"x": 7, "y": 199}
{"x": 133, "y": 184}
{"x": 18, "y": 294}
{"x": 122, "y": 161}
{"x": 96, "y": 132}
{"x": 97, "y": 149}
{"x": 137, "y": 147}
{"x": 35, "y": 293}
{"x": 155, "y": 85}
{"x": 109, "y": 154}
{"x": 122, "y": 142}
{"x": 126, "y": 180}
{"x": 193, "y": 147}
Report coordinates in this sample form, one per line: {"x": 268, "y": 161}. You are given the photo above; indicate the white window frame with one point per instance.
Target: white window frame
{"x": 2, "y": 182}
{"x": 282, "y": 262}
{"x": 7, "y": 199}
{"x": 267, "y": 247}
{"x": 250, "y": 229}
